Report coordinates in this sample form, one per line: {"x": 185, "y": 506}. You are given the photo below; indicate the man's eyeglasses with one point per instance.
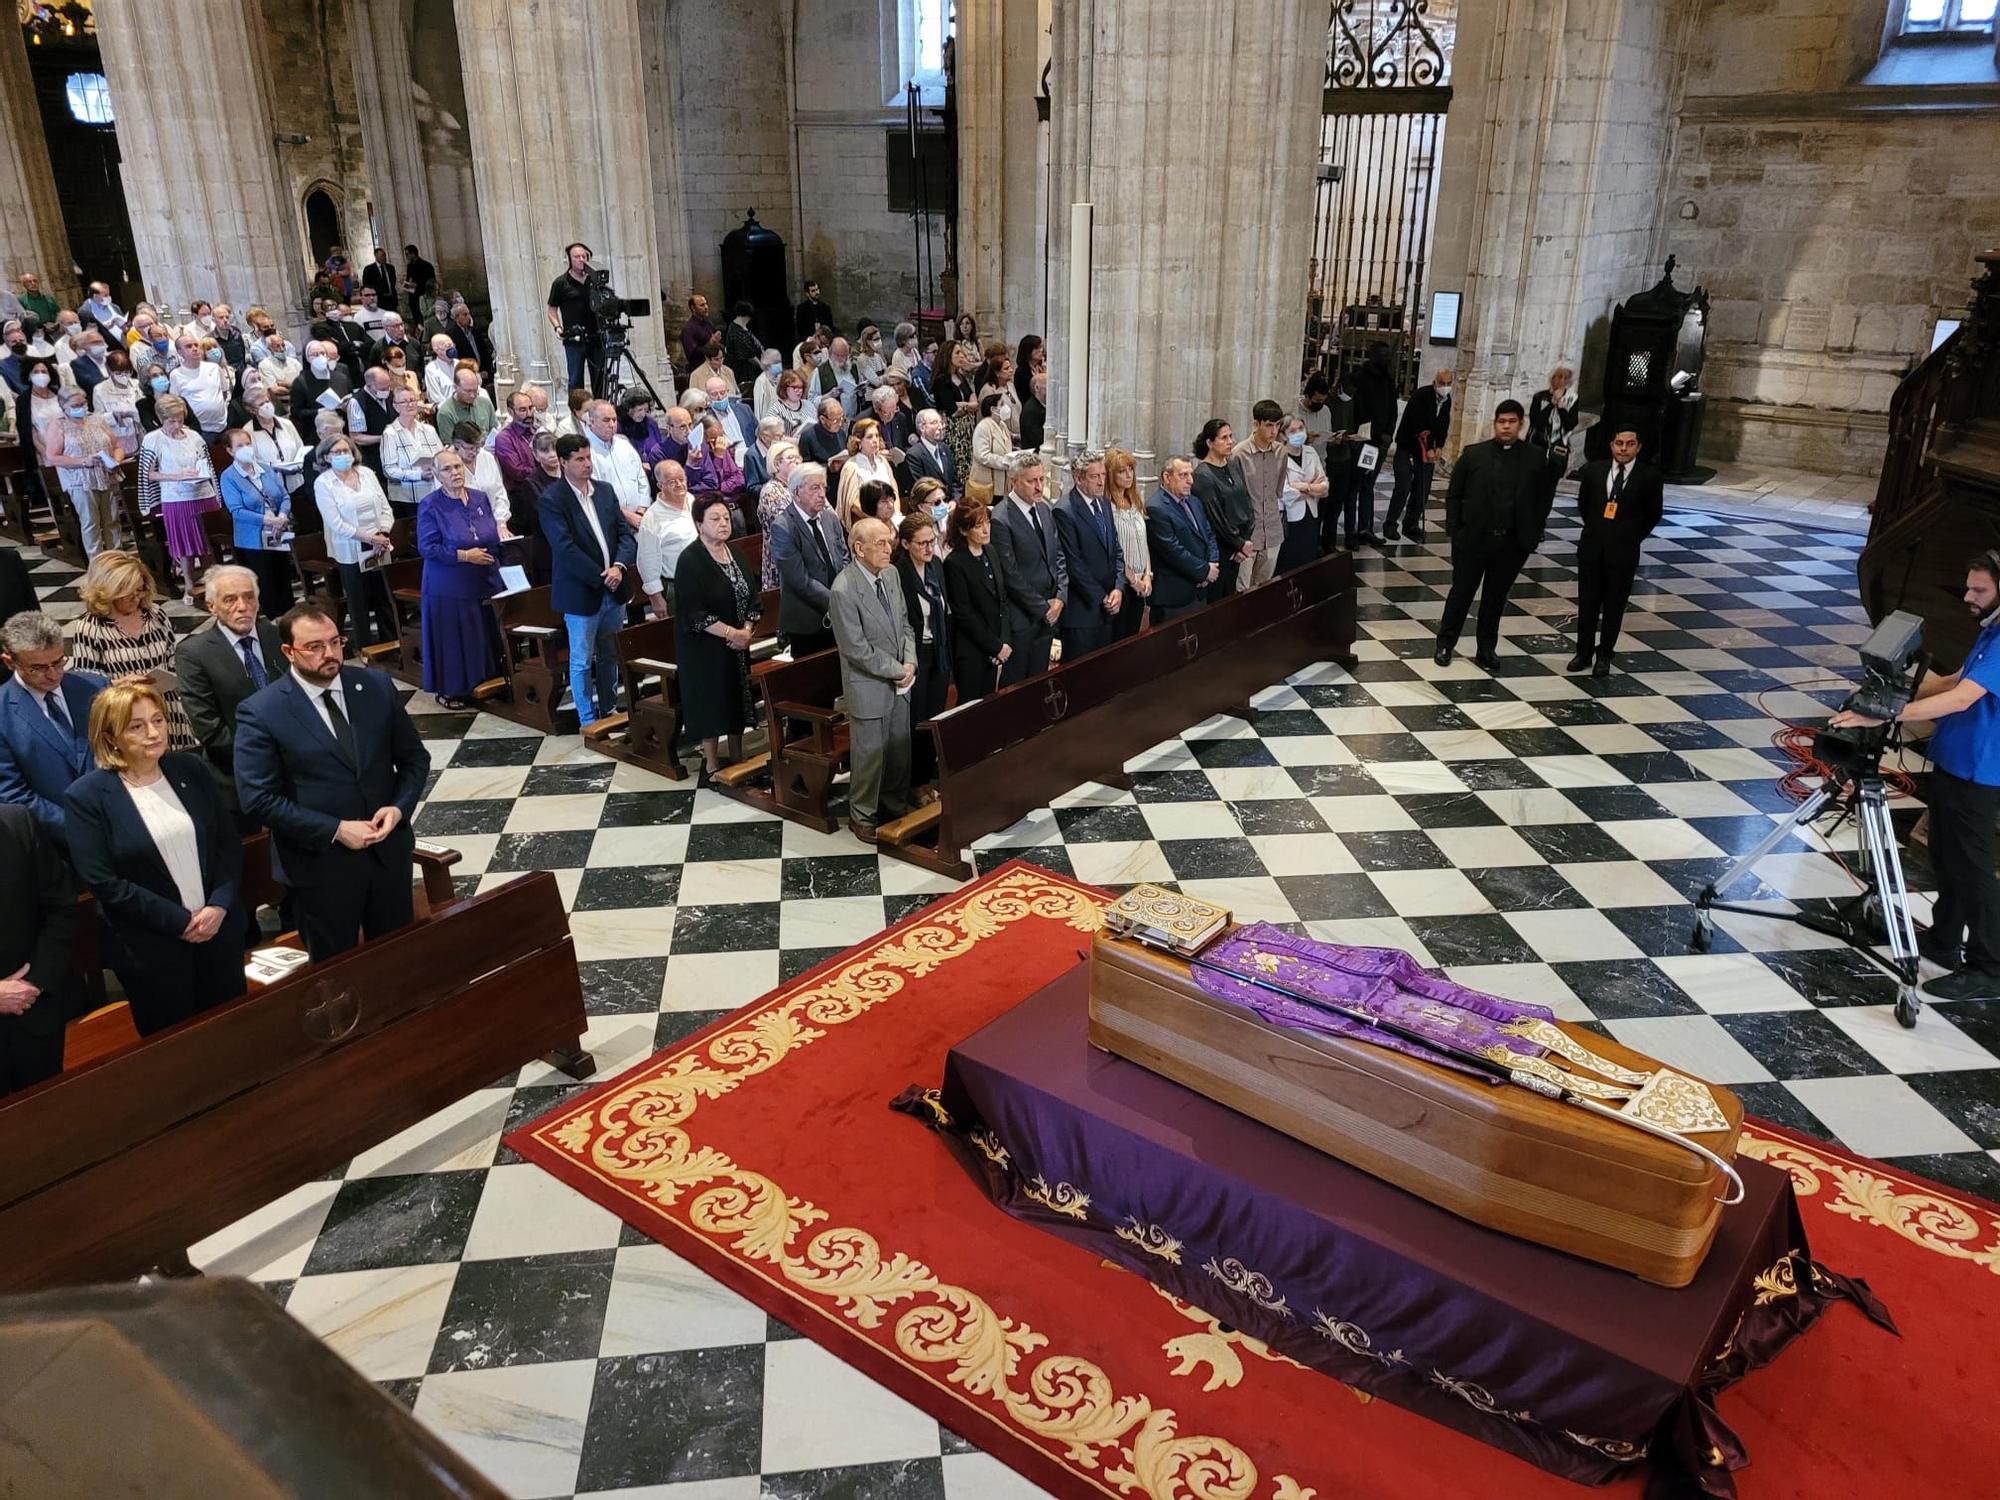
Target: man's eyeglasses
{"x": 329, "y": 647}
{"x": 40, "y": 668}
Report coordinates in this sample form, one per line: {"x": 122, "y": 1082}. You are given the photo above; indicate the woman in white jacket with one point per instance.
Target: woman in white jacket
{"x": 1305, "y": 487}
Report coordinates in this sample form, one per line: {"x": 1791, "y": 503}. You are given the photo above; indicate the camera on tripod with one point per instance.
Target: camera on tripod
{"x": 1893, "y": 664}
{"x": 614, "y": 313}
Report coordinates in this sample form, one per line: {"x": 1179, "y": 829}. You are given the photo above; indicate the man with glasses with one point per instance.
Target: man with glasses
{"x": 44, "y": 721}
{"x": 328, "y": 760}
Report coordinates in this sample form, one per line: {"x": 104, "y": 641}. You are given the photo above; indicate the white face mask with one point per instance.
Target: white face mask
{"x": 39, "y": 380}
{"x": 245, "y": 459}
{"x": 266, "y": 409}
{"x": 320, "y": 365}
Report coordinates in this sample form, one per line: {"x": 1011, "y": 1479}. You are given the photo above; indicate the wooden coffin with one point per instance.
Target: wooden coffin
{"x": 1497, "y": 1155}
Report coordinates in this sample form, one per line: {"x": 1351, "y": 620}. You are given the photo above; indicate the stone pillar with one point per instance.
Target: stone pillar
{"x": 32, "y": 237}
{"x": 556, "y": 105}
{"x": 1193, "y": 126}
{"x": 1549, "y": 203}
{"x": 209, "y": 218}
{"x": 1002, "y": 167}
{"x": 670, "y": 208}
{"x": 379, "y": 41}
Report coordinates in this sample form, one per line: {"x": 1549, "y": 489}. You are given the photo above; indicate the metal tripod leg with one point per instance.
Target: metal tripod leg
{"x": 1704, "y": 924}
{"x": 1892, "y": 895}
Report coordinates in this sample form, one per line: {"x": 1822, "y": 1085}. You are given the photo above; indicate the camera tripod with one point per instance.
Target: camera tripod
{"x": 1883, "y": 910}
{"x": 617, "y": 353}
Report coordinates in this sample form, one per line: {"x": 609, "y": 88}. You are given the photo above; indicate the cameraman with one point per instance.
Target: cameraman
{"x": 1964, "y": 799}
{"x": 573, "y": 316}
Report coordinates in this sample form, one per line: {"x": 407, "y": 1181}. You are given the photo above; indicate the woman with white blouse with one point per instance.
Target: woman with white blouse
{"x": 1128, "y": 515}
{"x": 992, "y": 448}
{"x": 203, "y": 383}
{"x": 1304, "y": 491}
{"x": 152, "y": 838}
{"x": 85, "y": 454}
{"x": 357, "y": 518}
{"x": 866, "y": 464}
{"x": 177, "y": 479}
{"x": 275, "y": 441}
{"x": 116, "y": 399}
{"x": 409, "y": 447}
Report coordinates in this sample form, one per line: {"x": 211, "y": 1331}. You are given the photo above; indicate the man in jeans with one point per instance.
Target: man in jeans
{"x": 592, "y": 550}
{"x": 1964, "y": 798}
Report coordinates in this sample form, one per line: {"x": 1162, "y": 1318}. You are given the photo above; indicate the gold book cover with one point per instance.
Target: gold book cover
{"x": 1167, "y": 919}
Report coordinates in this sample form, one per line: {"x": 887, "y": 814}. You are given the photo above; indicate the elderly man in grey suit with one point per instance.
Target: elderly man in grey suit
{"x": 878, "y": 666}
{"x": 234, "y": 655}
{"x": 1032, "y": 564}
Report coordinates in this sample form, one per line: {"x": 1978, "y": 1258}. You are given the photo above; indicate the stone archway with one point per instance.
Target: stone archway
{"x": 320, "y": 209}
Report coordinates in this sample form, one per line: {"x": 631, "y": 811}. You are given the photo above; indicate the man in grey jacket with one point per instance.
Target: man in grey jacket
{"x": 878, "y": 666}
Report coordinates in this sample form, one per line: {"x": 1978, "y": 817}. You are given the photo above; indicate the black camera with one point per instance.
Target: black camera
{"x": 614, "y": 313}
{"x": 1893, "y": 663}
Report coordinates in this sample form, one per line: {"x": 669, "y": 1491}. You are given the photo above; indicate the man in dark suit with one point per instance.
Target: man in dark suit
{"x": 1494, "y": 513}
{"x": 1186, "y": 559}
{"x": 349, "y": 340}
{"x": 811, "y": 313}
{"x": 327, "y": 759}
{"x": 44, "y": 719}
{"x": 419, "y": 276}
{"x": 37, "y": 926}
{"x": 1420, "y": 437}
{"x": 1032, "y": 569}
{"x": 1096, "y": 561}
{"x": 379, "y": 276}
{"x": 1375, "y": 416}
{"x": 87, "y": 369}
{"x": 1621, "y": 501}
{"x": 929, "y": 456}
{"x": 592, "y": 551}
{"x": 808, "y": 550}
{"x": 234, "y": 655}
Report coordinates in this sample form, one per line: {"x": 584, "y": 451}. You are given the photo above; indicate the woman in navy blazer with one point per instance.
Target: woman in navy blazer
{"x": 260, "y": 511}
{"x": 153, "y": 839}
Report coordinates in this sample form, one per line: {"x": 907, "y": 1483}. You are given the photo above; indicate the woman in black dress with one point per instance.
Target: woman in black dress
{"x": 715, "y": 605}
{"x": 1218, "y": 485}
{"x": 922, "y": 577}
{"x": 981, "y": 638}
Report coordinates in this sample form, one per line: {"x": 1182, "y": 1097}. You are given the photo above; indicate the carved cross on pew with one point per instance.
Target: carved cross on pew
{"x": 1190, "y": 642}
{"x": 1294, "y": 595}
{"x": 1056, "y": 702}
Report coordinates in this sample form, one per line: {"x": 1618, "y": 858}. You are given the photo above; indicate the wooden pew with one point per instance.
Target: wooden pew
{"x": 116, "y": 1168}
{"x": 807, "y": 736}
{"x": 534, "y": 661}
{"x": 107, "y": 1024}
{"x": 405, "y": 577}
{"x": 16, "y": 499}
{"x": 1001, "y": 757}
{"x": 62, "y": 538}
{"x": 145, "y": 536}
{"x": 647, "y": 731}
{"x": 749, "y": 550}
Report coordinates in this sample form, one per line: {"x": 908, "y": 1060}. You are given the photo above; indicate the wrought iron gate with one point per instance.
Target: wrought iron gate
{"x": 1388, "y": 66}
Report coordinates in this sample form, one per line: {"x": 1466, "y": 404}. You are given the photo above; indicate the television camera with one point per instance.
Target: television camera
{"x": 614, "y": 325}
{"x": 1893, "y": 664}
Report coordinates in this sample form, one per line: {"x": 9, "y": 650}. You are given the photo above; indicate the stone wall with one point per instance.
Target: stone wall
{"x": 1834, "y": 225}
{"x": 312, "y": 94}
{"x": 865, "y": 257}
{"x": 460, "y": 251}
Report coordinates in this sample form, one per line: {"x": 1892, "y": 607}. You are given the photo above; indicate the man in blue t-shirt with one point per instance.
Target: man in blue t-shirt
{"x": 1964, "y": 799}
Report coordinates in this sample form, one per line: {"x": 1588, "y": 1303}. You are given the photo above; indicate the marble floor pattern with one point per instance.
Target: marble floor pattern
{"x": 1534, "y": 834}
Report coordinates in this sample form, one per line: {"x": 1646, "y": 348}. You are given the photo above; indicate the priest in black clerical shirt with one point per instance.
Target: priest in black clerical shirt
{"x": 1621, "y": 501}
{"x": 1494, "y": 512}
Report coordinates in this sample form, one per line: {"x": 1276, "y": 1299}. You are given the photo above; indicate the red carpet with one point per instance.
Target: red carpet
{"x": 764, "y": 1150}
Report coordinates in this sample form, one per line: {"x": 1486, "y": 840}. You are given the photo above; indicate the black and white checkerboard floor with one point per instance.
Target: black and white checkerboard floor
{"x": 1537, "y": 835}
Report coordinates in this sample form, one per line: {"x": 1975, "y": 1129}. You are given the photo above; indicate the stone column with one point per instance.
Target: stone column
{"x": 1002, "y": 165}
{"x": 1193, "y": 126}
{"x": 379, "y": 40}
{"x": 670, "y": 207}
{"x": 561, "y": 151}
{"x": 32, "y": 237}
{"x": 1549, "y": 200}
{"x": 209, "y": 217}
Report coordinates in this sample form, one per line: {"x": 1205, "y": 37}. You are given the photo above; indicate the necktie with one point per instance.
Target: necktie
{"x": 819, "y": 541}
{"x": 1035, "y": 517}
{"x": 882, "y": 596}
{"x": 251, "y": 665}
{"x": 1618, "y": 483}
{"x": 342, "y": 730}
{"x": 1103, "y": 521}
{"x": 59, "y": 715}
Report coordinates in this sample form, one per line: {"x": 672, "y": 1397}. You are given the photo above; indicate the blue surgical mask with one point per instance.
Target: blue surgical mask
{"x": 940, "y": 511}
{"x": 774, "y": 371}
{"x": 215, "y": 356}
{"x": 341, "y": 461}
{"x": 159, "y": 383}
{"x": 1296, "y": 439}
{"x": 161, "y": 345}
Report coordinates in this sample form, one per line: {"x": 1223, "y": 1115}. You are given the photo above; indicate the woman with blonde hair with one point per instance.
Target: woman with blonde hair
{"x": 151, "y": 836}
{"x": 123, "y": 632}
{"x": 866, "y": 464}
{"x": 1128, "y": 516}
{"x": 992, "y": 450}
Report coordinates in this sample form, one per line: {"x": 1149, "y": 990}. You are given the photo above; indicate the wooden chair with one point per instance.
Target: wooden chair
{"x": 808, "y": 736}
{"x": 63, "y": 540}
{"x": 534, "y": 660}
{"x": 405, "y": 577}
{"x": 648, "y": 732}
{"x": 145, "y": 536}
{"x": 749, "y": 552}
{"x": 16, "y": 518}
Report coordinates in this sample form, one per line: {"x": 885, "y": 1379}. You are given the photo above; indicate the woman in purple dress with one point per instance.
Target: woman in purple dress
{"x": 460, "y": 543}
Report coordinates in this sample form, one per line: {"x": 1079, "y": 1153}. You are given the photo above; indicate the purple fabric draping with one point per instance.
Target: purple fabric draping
{"x": 1384, "y": 981}
{"x": 1580, "y": 1369}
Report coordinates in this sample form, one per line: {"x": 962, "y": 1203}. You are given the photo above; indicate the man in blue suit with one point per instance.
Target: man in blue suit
{"x": 1096, "y": 561}
{"x": 929, "y": 456}
{"x": 592, "y": 551}
{"x": 1185, "y": 558}
{"x": 327, "y": 759}
{"x": 44, "y": 721}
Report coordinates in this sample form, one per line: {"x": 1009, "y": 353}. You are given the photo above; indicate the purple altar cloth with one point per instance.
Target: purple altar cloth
{"x": 1582, "y": 1370}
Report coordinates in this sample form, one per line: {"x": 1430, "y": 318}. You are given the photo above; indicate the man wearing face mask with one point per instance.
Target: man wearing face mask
{"x": 1964, "y": 798}
{"x": 86, "y": 366}
{"x": 324, "y": 385}
{"x": 764, "y": 393}
{"x": 13, "y": 365}
{"x": 1420, "y": 435}
{"x": 99, "y": 308}
{"x": 369, "y": 413}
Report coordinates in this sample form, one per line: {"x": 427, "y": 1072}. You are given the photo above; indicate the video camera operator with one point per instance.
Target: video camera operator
{"x": 572, "y": 314}
{"x": 1964, "y": 798}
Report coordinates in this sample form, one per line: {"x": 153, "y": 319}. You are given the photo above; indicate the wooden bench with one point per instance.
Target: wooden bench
{"x": 647, "y": 731}
{"x": 16, "y": 494}
{"x": 62, "y": 536}
{"x": 807, "y": 738}
{"x": 116, "y": 1168}
{"x": 534, "y": 661}
{"x": 1001, "y": 757}
{"x": 145, "y": 536}
{"x": 107, "y": 1024}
